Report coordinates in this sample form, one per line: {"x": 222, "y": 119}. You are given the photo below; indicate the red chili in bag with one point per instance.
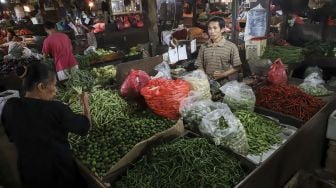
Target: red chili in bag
{"x": 289, "y": 100}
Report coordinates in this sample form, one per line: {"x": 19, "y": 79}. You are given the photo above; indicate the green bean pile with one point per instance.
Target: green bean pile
{"x": 107, "y": 144}
{"x": 106, "y": 107}
{"x": 262, "y": 133}
{"x": 184, "y": 163}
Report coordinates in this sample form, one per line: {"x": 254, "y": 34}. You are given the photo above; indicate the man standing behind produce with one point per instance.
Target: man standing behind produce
{"x": 218, "y": 57}
{"x": 58, "y": 46}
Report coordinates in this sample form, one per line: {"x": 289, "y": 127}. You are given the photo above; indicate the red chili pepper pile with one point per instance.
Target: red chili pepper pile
{"x": 289, "y": 100}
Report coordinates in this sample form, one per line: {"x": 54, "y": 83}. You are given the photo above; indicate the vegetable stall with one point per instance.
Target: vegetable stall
{"x": 127, "y": 140}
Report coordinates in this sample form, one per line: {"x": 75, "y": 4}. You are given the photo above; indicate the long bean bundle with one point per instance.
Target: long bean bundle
{"x": 185, "y": 163}
{"x": 262, "y": 133}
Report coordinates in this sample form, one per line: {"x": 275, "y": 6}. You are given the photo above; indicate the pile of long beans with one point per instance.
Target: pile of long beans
{"x": 105, "y": 106}
{"x": 262, "y": 133}
{"x": 185, "y": 163}
{"x": 289, "y": 100}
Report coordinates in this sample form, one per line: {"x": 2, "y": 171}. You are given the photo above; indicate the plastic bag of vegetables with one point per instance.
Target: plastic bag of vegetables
{"x": 313, "y": 85}
{"x": 199, "y": 82}
{"x": 163, "y": 70}
{"x": 193, "y": 109}
{"x": 225, "y": 129}
{"x": 131, "y": 87}
{"x": 238, "y": 96}
{"x": 164, "y": 96}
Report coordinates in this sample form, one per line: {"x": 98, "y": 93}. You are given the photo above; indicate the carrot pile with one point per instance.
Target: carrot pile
{"x": 289, "y": 100}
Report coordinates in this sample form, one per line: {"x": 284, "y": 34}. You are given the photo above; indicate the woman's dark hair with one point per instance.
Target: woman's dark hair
{"x": 49, "y": 25}
{"x": 33, "y": 74}
{"x": 220, "y": 21}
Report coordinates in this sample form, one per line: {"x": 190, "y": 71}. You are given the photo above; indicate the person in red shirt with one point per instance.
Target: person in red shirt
{"x": 58, "y": 46}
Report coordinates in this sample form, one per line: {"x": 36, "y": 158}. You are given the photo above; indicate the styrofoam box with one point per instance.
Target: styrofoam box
{"x": 331, "y": 131}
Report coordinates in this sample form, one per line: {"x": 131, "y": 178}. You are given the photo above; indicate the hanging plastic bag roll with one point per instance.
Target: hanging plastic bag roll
{"x": 256, "y": 23}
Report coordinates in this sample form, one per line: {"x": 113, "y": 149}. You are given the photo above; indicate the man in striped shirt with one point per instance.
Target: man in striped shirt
{"x": 218, "y": 57}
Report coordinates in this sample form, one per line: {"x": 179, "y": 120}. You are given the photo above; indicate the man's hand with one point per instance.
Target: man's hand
{"x": 218, "y": 75}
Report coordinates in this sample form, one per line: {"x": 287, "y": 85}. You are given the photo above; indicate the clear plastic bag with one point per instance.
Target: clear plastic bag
{"x": 193, "y": 108}
{"x": 92, "y": 41}
{"x": 163, "y": 70}
{"x": 199, "y": 82}
{"x": 225, "y": 129}
{"x": 89, "y": 50}
{"x": 315, "y": 69}
{"x": 313, "y": 84}
{"x": 238, "y": 96}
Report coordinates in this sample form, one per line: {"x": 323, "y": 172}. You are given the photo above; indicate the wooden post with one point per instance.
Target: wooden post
{"x": 152, "y": 25}
{"x": 235, "y": 5}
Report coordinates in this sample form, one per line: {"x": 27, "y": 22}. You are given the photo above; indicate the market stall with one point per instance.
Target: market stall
{"x": 159, "y": 121}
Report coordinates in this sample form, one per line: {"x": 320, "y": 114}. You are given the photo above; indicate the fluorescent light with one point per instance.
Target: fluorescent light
{"x": 3, "y": 1}
{"x": 26, "y": 8}
{"x": 90, "y": 4}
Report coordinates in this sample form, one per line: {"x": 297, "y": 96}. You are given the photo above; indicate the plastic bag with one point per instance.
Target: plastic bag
{"x": 163, "y": 70}
{"x": 193, "y": 108}
{"x": 199, "y": 82}
{"x": 164, "y": 96}
{"x": 89, "y": 50}
{"x": 92, "y": 41}
{"x": 225, "y": 129}
{"x": 256, "y": 23}
{"x": 315, "y": 69}
{"x": 238, "y": 96}
{"x": 134, "y": 82}
{"x": 277, "y": 73}
{"x": 313, "y": 85}
{"x": 259, "y": 66}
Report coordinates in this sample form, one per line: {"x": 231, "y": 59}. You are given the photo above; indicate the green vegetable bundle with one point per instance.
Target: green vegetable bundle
{"x": 262, "y": 133}
{"x": 288, "y": 54}
{"x": 185, "y": 163}
{"x": 105, "y": 75}
{"x": 318, "y": 90}
{"x": 238, "y": 96}
{"x": 108, "y": 143}
{"x": 106, "y": 107}
{"x": 313, "y": 85}
{"x": 223, "y": 128}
